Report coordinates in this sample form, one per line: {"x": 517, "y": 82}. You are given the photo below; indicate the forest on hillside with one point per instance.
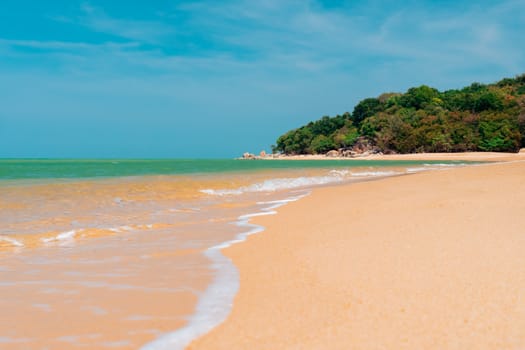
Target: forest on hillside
{"x": 480, "y": 117}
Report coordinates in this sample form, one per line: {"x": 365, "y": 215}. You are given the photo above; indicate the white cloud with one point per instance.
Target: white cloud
{"x": 292, "y": 44}
{"x": 96, "y": 19}
{"x": 303, "y": 37}
{"x": 65, "y": 45}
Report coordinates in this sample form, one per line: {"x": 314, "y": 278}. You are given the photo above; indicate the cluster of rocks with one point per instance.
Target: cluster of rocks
{"x": 262, "y": 155}
{"x": 347, "y": 153}
{"x": 361, "y": 148}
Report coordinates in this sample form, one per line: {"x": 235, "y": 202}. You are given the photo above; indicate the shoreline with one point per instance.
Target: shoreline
{"x": 214, "y": 304}
{"x": 462, "y": 156}
{"x": 442, "y": 266}
{"x": 99, "y": 303}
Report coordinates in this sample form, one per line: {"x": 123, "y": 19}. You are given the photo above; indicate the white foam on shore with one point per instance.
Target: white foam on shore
{"x": 333, "y": 176}
{"x": 278, "y": 184}
{"x": 61, "y": 237}
{"x": 374, "y": 173}
{"x": 437, "y": 166}
{"x": 68, "y": 237}
{"x": 215, "y": 303}
{"x": 121, "y": 229}
{"x": 444, "y": 165}
{"x": 12, "y": 241}
{"x": 416, "y": 170}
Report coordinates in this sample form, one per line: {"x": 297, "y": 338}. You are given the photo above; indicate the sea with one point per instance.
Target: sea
{"x": 126, "y": 254}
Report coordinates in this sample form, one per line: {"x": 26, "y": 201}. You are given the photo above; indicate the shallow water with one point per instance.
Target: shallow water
{"x": 118, "y": 261}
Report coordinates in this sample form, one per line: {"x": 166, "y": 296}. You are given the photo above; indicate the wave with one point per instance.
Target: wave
{"x": 444, "y": 165}
{"x": 61, "y": 237}
{"x": 375, "y": 173}
{"x": 278, "y": 184}
{"x": 68, "y": 237}
{"x": 215, "y": 303}
{"x": 11, "y": 241}
{"x": 436, "y": 166}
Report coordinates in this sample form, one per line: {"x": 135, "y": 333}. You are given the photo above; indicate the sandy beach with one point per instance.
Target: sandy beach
{"x": 462, "y": 156}
{"x": 431, "y": 260}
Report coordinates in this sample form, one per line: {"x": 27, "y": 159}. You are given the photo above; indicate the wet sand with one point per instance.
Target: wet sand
{"x": 110, "y": 263}
{"x": 432, "y": 260}
{"x": 120, "y": 293}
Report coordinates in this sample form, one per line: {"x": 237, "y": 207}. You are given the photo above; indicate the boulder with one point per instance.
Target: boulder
{"x": 348, "y": 153}
{"x": 333, "y": 153}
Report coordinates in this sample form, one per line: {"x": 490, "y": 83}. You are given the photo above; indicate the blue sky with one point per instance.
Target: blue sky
{"x": 202, "y": 78}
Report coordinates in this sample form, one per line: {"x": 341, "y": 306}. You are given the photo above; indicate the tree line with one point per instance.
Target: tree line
{"x": 480, "y": 117}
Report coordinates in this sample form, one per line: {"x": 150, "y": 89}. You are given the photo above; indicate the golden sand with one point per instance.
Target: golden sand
{"x": 462, "y": 156}
{"x": 427, "y": 261}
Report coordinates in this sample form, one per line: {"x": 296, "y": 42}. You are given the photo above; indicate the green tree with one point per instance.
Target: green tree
{"x": 498, "y": 135}
{"x": 418, "y": 97}
{"x": 346, "y": 136}
{"x": 322, "y": 144}
{"x": 478, "y": 117}
{"x": 365, "y": 109}
{"x": 487, "y": 100}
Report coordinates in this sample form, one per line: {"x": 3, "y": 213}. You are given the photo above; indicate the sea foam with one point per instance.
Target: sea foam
{"x": 12, "y": 241}
{"x": 215, "y": 303}
{"x": 374, "y": 173}
{"x": 61, "y": 237}
{"x": 436, "y": 166}
{"x": 278, "y": 184}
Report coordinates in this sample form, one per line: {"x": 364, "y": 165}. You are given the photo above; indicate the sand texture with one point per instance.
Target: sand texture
{"x": 464, "y": 156}
{"x": 433, "y": 260}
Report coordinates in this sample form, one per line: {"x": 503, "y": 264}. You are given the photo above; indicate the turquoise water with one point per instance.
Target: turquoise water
{"x": 13, "y": 169}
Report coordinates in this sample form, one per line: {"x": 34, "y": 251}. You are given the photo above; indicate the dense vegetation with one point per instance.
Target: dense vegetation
{"x": 476, "y": 118}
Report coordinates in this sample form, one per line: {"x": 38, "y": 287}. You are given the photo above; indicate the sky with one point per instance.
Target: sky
{"x": 214, "y": 79}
